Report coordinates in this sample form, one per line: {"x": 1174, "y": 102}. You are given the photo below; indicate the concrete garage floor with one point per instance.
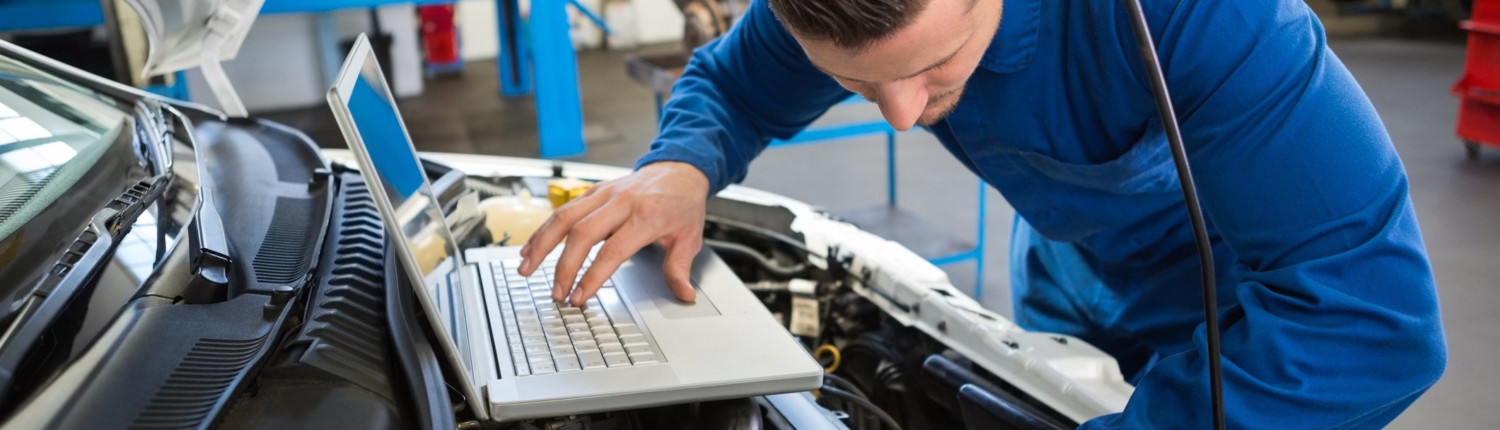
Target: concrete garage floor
{"x": 1458, "y": 201}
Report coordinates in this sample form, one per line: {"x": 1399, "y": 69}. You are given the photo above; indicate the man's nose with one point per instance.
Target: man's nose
{"x": 902, "y": 103}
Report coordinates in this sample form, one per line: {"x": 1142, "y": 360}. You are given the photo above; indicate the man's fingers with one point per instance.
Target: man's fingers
{"x": 581, "y": 239}
{"x": 678, "y": 267}
{"x": 619, "y": 248}
{"x": 554, "y": 230}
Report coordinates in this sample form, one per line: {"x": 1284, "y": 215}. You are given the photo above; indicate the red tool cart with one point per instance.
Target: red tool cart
{"x": 1479, "y": 112}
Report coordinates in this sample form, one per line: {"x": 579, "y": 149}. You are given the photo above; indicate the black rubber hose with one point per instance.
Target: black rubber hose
{"x": 845, "y": 384}
{"x": 760, "y": 259}
{"x": 862, "y": 403}
{"x": 1190, "y": 196}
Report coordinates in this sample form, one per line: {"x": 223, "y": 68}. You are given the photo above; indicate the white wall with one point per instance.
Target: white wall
{"x": 656, "y": 21}
{"x": 280, "y": 66}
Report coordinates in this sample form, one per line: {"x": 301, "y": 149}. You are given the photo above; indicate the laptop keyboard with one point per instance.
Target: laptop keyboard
{"x": 547, "y": 337}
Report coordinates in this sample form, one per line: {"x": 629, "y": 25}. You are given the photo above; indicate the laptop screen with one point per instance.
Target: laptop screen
{"x": 373, "y": 112}
{"x": 371, "y": 124}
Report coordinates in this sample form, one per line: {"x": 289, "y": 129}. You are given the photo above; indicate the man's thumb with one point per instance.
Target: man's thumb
{"x": 679, "y": 266}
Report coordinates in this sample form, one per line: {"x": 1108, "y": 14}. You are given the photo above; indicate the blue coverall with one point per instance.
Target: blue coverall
{"x": 1327, "y": 302}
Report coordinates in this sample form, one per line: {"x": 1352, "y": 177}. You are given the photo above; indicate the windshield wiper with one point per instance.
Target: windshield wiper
{"x": 153, "y": 136}
{"x": 79, "y": 265}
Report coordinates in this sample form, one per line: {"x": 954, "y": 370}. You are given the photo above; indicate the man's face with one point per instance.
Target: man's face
{"x": 917, "y": 74}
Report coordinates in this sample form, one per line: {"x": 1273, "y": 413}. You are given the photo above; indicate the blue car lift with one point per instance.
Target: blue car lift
{"x": 537, "y": 55}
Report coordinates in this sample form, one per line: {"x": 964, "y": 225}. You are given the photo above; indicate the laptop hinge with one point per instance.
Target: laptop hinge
{"x": 483, "y": 366}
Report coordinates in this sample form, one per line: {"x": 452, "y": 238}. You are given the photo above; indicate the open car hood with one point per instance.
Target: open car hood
{"x": 1065, "y": 373}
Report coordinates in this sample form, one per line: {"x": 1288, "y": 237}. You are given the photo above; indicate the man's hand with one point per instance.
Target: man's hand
{"x": 663, "y": 202}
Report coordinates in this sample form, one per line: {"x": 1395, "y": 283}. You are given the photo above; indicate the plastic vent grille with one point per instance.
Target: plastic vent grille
{"x": 347, "y": 325}
{"x": 195, "y": 388}
{"x": 284, "y": 255}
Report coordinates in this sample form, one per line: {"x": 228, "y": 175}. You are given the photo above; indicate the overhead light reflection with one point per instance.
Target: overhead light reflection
{"x": 22, "y": 128}
{"x": 44, "y": 156}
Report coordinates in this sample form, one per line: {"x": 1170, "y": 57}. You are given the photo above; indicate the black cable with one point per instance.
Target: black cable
{"x": 870, "y": 407}
{"x": 1190, "y": 196}
{"x": 845, "y": 384}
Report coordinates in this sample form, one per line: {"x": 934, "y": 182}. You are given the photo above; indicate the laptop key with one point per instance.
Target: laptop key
{"x": 591, "y": 360}
{"x": 646, "y": 358}
{"x": 607, "y": 338}
{"x": 633, "y": 340}
{"x": 535, "y": 349}
{"x": 534, "y": 340}
{"x": 614, "y": 307}
{"x": 616, "y": 359}
{"x": 637, "y": 349}
{"x": 610, "y": 348}
{"x": 627, "y": 330}
{"x": 543, "y": 369}
{"x": 568, "y": 365}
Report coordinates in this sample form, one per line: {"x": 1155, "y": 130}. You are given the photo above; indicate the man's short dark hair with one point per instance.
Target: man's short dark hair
{"x": 849, "y": 24}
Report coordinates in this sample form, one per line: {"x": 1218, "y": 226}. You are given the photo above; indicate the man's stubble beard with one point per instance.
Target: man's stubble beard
{"x": 946, "y": 102}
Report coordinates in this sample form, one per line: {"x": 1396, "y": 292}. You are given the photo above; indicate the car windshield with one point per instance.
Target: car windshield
{"x": 51, "y": 134}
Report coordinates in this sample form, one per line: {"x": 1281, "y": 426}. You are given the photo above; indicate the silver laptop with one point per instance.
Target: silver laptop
{"x": 517, "y": 354}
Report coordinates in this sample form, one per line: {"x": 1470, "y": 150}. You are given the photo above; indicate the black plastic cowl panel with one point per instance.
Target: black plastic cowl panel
{"x": 159, "y": 366}
{"x": 271, "y": 188}
{"x": 346, "y": 367}
{"x": 334, "y": 371}
{"x": 344, "y": 336}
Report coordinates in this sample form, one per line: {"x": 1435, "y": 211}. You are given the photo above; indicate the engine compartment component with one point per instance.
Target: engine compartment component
{"x": 881, "y": 314}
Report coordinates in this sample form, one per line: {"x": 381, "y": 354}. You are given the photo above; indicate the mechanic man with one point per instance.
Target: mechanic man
{"x": 1328, "y": 305}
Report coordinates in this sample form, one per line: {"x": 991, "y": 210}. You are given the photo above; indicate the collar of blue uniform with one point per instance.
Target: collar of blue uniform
{"x": 1016, "y": 40}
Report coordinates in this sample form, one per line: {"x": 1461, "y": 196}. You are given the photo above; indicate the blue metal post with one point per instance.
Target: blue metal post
{"x": 659, "y": 106}
{"x": 890, "y": 168}
{"x": 979, "y": 247}
{"x": 592, "y": 17}
{"x": 515, "y": 52}
{"x": 558, "y": 106}
{"x": 328, "y": 48}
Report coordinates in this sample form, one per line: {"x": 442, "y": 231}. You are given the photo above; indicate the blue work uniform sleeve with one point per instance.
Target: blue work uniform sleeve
{"x": 737, "y": 93}
{"x": 1337, "y": 322}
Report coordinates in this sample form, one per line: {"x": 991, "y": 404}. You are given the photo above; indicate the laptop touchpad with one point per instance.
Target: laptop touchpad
{"x": 651, "y": 285}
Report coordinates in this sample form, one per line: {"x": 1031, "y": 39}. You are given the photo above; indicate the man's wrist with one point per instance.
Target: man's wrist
{"x": 681, "y": 169}
{"x": 675, "y": 164}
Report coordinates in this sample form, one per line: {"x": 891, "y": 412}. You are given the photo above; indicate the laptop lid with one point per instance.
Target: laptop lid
{"x": 367, "y": 115}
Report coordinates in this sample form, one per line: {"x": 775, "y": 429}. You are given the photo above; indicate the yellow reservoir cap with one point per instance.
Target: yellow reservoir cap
{"x": 563, "y": 190}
